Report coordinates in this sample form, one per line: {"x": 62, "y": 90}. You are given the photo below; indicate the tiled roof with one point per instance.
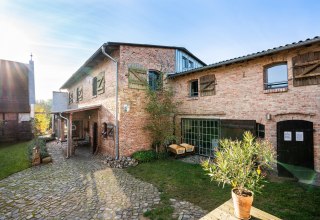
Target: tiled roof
{"x": 250, "y": 56}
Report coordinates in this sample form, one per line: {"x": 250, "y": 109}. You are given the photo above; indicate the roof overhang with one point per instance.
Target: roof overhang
{"x": 81, "y": 109}
{"x": 293, "y": 45}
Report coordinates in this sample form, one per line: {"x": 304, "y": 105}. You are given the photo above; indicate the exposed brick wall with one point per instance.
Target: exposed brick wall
{"x": 132, "y": 135}
{"x": 240, "y": 94}
{"x": 106, "y": 113}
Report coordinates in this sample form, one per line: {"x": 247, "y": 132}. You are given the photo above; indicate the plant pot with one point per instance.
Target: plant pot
{"x": 242, "y": 204}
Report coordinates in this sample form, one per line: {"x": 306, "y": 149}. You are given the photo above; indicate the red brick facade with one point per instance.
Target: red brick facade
{"x": 240, "y": 94}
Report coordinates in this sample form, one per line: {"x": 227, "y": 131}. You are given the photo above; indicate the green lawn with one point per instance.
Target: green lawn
{"x": 13, "y": 158}
{"x": 287, "y": 200}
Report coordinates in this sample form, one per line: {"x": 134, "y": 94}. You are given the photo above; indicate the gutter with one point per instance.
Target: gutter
{"x": 117, "y": 104}
{"x": 67, "y": 133}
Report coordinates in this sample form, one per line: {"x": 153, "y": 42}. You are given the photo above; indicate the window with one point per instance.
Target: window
{"x": 204, "y": 134}
{"x": 185, "y": 63}
{"x": 94, "y": 86}
{"x": 191, "y": 65}
{"x": 194, "y": 89}
{"x": 276, "y": 76}
{"x": 154, "y": 78}
{"x": 260, "y": 130}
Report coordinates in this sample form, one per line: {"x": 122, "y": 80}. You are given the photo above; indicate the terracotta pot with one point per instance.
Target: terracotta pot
{"x": 242, "y": 204}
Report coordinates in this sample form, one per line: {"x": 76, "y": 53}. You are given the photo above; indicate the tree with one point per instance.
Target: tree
{"x": 42, "y": 116}
{"x": 161, "y": 108}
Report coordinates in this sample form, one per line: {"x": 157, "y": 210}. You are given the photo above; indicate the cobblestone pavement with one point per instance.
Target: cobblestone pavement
{"x": 82, "y": 187}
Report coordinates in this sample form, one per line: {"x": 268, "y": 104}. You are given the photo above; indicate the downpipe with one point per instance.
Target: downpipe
{"x": 67, "y": 134}
{"x": 117, "y": 105}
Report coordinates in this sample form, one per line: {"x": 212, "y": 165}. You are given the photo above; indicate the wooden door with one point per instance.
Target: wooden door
{"x": 294, "y": 145}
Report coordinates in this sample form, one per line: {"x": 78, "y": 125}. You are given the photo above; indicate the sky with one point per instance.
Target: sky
{"x": 63, "y": 34}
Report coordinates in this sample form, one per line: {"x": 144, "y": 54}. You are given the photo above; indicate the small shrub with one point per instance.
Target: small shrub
{"x": 162, "y": 155}
{"x": 41, "y": 144}
{"x": 145, "y": 156}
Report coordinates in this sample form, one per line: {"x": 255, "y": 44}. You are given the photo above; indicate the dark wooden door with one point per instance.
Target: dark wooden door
{"x": 95, "y": 137}
{"x": 294, "y": 145}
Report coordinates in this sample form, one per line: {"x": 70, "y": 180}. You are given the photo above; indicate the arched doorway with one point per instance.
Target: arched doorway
{"x": 294, "y": 145}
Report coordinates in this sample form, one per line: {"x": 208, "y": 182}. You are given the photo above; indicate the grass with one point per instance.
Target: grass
{"x": 13, "y": 158}
{"x": 285, "y": 199}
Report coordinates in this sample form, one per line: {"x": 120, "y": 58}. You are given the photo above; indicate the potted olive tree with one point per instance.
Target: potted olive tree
{"x": 240, "y": 164}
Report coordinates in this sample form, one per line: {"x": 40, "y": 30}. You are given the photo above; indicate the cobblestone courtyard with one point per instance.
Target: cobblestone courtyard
{"x": 82, "y": 187}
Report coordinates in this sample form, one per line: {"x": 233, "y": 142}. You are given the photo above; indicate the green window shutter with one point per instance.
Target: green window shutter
{"x": 137, "y": 77}
{"x": 207, "y": 85}
{"x": 79, "y": 94}
{"x": 70, "y": 97}
{"x": 100, "y": 83}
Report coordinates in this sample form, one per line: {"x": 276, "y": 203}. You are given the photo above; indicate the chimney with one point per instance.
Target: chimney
{"x": 32, "y": 98}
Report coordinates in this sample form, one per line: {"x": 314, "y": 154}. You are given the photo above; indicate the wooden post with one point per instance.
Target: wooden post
{"x": 99, "y": 132}
{"x": 70, "y": 143}
{"x": 61, "y": 129}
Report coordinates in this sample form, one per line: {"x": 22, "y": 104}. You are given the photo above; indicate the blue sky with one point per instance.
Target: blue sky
{"x": 62, "y": 35}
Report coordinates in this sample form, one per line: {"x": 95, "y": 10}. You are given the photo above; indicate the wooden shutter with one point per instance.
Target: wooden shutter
{"x": 70, "y": 97}
{"x": 137, "y": 77}
{"x": 100, "y": 83}
{"x": 306, "y": 69}
{"x": 79, "y": 94}
{"x": 207, "y": 85}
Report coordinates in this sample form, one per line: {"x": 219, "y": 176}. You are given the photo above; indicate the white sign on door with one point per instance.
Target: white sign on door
{"x": 287, "y": 136}
{"x": 299, "y": 136}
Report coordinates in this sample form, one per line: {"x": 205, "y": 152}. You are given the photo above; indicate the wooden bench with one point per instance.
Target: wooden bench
{"x": 225, "y": 212}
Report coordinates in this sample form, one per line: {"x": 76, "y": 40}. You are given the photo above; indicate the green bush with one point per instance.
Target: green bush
{"x": 239, "y": 163}
{"x": 41, "y": 143}
{"x": 145, "y": 156}
{"x": 149, "y": 155}
{"x": 162, "y": 155}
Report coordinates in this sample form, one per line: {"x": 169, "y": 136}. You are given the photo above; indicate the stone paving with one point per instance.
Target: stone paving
{"x": 81, "y": 187}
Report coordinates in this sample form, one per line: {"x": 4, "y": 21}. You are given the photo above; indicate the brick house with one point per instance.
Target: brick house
{"x": 89, "y": 105}
{"x": 272, "y": 93}
{"x": 17, "y": 100}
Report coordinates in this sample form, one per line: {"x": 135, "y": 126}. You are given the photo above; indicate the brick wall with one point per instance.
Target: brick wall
{"x": 132, "y": 135}
{"x": 240, "y": 95}
{"x": 106, "y": 113}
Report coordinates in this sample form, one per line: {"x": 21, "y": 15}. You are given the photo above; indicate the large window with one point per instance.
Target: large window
{"x": 276, "y": 76}
{"x": 194, "y": 88}
{"x": 204, "y": 134}
{"x": 154, "y": 79}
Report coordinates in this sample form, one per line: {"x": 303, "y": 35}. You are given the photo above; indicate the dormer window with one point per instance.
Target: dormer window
{"x": 191, "y": 64}
{"x": 276, "y": 76}
{"x": 185, "y": 62}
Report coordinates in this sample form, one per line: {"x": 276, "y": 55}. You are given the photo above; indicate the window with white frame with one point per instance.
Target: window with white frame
{"x": 276, "y": 76}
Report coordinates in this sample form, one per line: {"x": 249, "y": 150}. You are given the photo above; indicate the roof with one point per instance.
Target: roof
{"x": 250, "y": 56}
{"x": 86, "y": 68}
{"x": 14, "y": 89}
{"x": 81, "y": 109}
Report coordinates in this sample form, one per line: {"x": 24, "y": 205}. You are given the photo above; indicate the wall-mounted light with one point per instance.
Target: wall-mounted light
{"x": 89, "y": 117}
{"x": 268, "y": 116}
